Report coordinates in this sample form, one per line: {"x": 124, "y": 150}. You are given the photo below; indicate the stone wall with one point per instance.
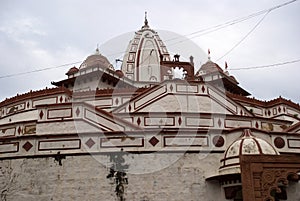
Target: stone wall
{"x": 84, "y": 178}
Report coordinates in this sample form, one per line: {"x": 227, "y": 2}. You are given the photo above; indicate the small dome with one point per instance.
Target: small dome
{"x": 72, "y": 71}
{"x": 247, "y": 144}
{"x": 208, "y": 67}
{"x": 96, "y": 59}
{"x": 120, "y": 73}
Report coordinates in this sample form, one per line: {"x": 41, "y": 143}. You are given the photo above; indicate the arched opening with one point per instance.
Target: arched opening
{"x": 178, "y": 73}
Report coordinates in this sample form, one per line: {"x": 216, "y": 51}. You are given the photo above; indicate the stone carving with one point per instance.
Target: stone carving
{"x": 261, "y": 175}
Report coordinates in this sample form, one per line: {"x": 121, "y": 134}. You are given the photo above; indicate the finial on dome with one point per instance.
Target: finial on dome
{"x": 97, "y": 49}
{"x": 146, "y": 21}
{"x": 208, "y": 54}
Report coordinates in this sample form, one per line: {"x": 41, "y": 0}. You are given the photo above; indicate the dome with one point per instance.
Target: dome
{"x": 72, "y": 71}
{"x": 247, "y": 144}
{"x": 120, "y": 73}
{"x": 96, "y": 59}
{"x": 209, "y": 67}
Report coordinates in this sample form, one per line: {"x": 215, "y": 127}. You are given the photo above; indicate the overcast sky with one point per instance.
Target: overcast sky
{"x": 38, "y": 34}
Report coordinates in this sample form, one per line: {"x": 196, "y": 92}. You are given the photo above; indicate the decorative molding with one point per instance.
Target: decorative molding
{"x": 9, "y": 147}
{"x": 186, "y": 141}
{"x": 63, "y": 144}
{"x": 293, "y": 143}
{"x": 124, "y": 141}
{"x": 261, "y": 174}
{"x": 59, "y": 113}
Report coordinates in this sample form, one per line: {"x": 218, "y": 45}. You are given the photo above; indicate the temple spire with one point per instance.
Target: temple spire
{"x": 146, "y": 21}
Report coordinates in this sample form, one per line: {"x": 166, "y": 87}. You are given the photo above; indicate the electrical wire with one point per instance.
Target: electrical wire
{"x": 229, "y": 23}
{"x": 218, "y": 26}
{"x": 39, "y": 70}
{"x": 196, "y": 33}
{"x": 241, "y": 19}
{"x": 244, "y": 38}
{"x": 266, "y": 66}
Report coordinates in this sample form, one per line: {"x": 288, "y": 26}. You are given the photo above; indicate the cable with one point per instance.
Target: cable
{"x": 205, "y": 31}
{"x": 266, "y": 66}
{"x": 241, "y": 19}
{"x": 219, "y": 26}
{"x": 237, "y": 44}
{"x": 38, "y": 70}
{"x": 229, "y": 23}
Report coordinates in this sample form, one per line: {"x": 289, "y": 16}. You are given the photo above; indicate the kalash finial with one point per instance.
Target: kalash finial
{"x": 146, "y": 21}
{"x": 97, "y": 50}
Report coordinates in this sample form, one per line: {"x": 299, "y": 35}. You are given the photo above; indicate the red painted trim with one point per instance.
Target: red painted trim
{"x": 162, "y": 117}
{"x": 291, "y": 147}
{"x": 120, "y": 146}
{"x": 8, "y": 108}
{"x": 49, "y": 110}
{"x": 35, "y": 94}
{"x": 12, "y": 143}
{"x": 66, "y": 140}
{"x": 138, "y": 59}
{"x": 188, "y": 145}
{"x": 5, "y": 128}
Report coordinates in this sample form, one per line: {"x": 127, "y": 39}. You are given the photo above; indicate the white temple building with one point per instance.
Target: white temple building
{"x": 142, "y": 134}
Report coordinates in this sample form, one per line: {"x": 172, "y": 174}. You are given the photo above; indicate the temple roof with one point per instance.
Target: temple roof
{"x": 96, "y": 59}
{"x": 72, "y": 71}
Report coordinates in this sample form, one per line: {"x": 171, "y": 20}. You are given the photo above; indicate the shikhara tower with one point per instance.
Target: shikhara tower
{"x": 140, "y": 133}
{"x": 144, "y": 53}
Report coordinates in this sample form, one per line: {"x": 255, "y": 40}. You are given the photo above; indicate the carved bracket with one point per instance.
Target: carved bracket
{"x": 262, "y": 174}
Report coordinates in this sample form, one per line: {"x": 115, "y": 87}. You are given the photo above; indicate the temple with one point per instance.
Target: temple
{"x": 144, "y": 133}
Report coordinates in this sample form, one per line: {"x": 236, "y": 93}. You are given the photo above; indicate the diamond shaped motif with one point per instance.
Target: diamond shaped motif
{"x": 61, "y": 99}
{"x": 219, "y": 122}
{"x": 41, "y": 114}
{"x": 129, "y": 108}
{"x": 138, "y": 121}
{"x": 256, "y": 125}
{"x": 171, "y": 87}
{"x": 28, "y": 105}
{"x": 77, "y": 112}
{"x": 27, "y": 146}
{"x": 153, "y": 141}
{"x": 90, "y": 142}
{"x": 117, "y": 101}
{"x": 19, "y": 130}
{"x": 203, "y": 89}
{"x": 179, "y": 121}
{"x": 279, "y": 109}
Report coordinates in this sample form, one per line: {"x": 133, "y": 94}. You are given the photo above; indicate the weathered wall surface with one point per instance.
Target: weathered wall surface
{"x": 84, "y": 178}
